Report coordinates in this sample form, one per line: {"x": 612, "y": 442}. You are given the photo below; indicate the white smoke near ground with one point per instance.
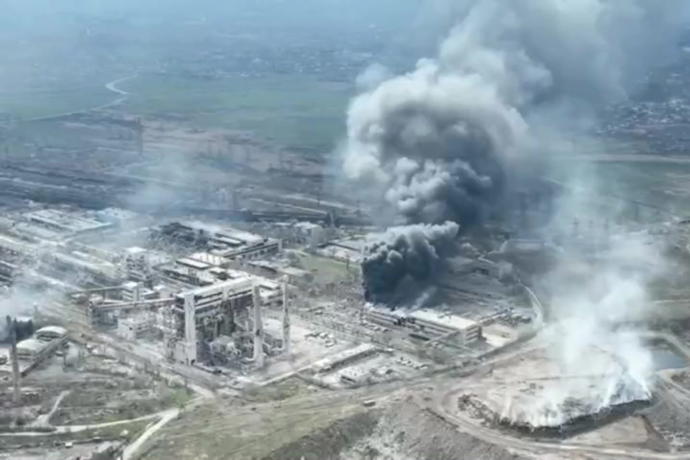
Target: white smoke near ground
{"x": 372, "y": 76}
{"x": 448, "y": 141}
{"x": 596, "y": 356}
{"x": 596, "y": 308}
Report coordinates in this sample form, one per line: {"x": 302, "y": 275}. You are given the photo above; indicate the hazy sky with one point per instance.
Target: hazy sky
{"x": 304, "y": 13}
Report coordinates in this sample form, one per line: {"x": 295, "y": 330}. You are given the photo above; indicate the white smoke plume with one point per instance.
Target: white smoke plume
{"x": 594, "y": 308}
{"x": 372, "y": 76}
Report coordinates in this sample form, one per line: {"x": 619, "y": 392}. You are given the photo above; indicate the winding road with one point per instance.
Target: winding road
{"x": 445, "y": 405}
{"x": 473, "y": 427}
{"x": 165, "y": 417}
{"x": 111, "y": 86}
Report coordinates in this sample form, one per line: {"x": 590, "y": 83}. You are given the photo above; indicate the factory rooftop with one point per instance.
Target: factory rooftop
{"x": 449, "y": 320}
{"x": 65, "y": 222}
{"x": 222, "y": 241}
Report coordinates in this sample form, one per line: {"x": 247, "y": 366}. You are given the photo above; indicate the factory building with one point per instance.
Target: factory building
{"x": 48, "y": 333}
{"x": 429, "y": 325}
{"x": 434, "y": 324}
{"x": 184, "y": 276}
{"x": 314, "y": 235}
{"x": 137, "y": 266}
{"x": 273, "y": 269}
{"x": 12, "y": 253}
{"x": 347, "y": 250}
{"x": 100, "y": 271}
{"x": 222, "y": 323}
{"x": 136, "y": 327}
{"x": 30, "y": 349}
{"x": 135, "y": 292}
{"x": 64, "y": 222}
{"x": 204, "y": 314}
{"x": 225, "y": 242}
{"x": 8, "y": 271}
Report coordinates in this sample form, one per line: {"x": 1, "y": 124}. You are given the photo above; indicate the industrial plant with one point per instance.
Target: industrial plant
{"x": 297, "y": 244}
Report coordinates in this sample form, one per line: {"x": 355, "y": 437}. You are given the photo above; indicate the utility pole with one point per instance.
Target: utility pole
{"x": 12, "y": 328}
{"x": 258, "y": 329}
{"x": 286, "y": 317}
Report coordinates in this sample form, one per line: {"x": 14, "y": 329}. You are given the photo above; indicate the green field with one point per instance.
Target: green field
{"x": 660, "y": 186}
{"x": 297, "y": 112}
{"x": 27, "y": 104}
{"x": 326, "y": 270}
{"x": 294, "y": 111}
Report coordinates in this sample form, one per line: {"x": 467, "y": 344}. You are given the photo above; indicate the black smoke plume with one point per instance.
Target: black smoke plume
{"x": 440, "y": 141}
{"x": 448, "y": 140}
{"x": 412, "y": 250}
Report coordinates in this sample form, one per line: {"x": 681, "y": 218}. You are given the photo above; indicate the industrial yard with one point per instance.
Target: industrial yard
{"x": 146, "y": 335}
{"x": 344, "y": 230}
{"x": 130, "y": 334}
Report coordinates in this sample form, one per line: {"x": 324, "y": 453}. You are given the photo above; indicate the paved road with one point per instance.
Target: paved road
{"x": 122, "y": 96}
{"x": 44, "y": 420}
{"x": 166, "y": 416}
{"x": 78, "y": 428}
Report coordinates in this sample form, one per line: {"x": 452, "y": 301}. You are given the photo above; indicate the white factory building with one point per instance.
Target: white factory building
{"x": 428, "y": 324}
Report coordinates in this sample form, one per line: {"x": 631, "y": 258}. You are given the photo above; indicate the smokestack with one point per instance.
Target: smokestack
{"x": 286, "y": 318}
{"x": 12, "y": 328}
{"x": 258, "y": 329}
{"x": 190, "y": 328}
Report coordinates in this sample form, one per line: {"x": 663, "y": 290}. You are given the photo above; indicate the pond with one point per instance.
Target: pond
{"x": 667, "y": 358}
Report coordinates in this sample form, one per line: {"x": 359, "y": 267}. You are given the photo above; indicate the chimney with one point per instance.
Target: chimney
{"x": 286, "y": 318}
{"x": 12, "y": 328}
{"x": 258, "y": 329}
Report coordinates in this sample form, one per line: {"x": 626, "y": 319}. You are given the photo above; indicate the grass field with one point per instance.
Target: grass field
{"x": 252, "y": 431}
{"x": 294, "y": 111}
{"x": 325, "y": 270}
{"x": 29, "y": 104}
{"x": 654, "y": 182}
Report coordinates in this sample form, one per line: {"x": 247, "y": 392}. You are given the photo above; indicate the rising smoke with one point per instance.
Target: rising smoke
{"x": 448, "y": 140}
{"x": 413, "y": 250}
{"x": 592, "y": 307}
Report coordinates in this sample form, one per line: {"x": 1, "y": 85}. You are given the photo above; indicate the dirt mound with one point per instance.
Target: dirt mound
{"x": 670, "y": 418}
{"x": 402, "y": 431}
{"x": 328, "y": 443}
{"x": 408, "y": 432}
